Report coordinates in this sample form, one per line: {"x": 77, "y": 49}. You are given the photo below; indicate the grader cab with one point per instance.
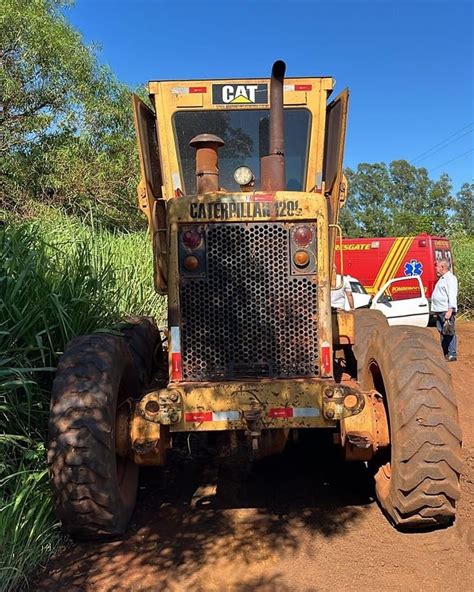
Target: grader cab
{"x": 241, "y": 183}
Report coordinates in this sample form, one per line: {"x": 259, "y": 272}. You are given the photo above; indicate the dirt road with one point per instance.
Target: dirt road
{"x": 300, "y": 522}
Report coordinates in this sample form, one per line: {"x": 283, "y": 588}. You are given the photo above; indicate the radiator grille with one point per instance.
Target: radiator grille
{"x": 248, "y": 317}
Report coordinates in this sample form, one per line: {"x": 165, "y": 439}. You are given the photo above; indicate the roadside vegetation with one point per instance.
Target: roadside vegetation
{"x": 66, "y": 131}
{"x": 463, "y": 247}
{"x": 58, "y": 278}
{"x": 74, "y": 254}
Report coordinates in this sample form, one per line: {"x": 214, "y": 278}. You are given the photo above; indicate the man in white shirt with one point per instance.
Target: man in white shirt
{"x": 444, "y": 302}
{"x": 339, "y": 293}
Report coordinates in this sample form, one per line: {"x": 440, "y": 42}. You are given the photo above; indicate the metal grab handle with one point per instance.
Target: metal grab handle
{"x": 339, "y": 235}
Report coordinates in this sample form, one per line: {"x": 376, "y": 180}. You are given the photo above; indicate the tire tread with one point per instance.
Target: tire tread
{"x": 81, "y": 453}
{"x": 424, "y": 426}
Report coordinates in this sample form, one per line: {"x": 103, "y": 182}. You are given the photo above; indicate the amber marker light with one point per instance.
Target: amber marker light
{"x": 302, "y": 236}
{"x": 192, "y": 239}
{"x": 301, "y": 258}
{"x": 191, "y": 263}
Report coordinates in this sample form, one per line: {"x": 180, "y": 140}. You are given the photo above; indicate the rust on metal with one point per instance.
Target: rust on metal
{"x": 149, "y": 440}
{"x": 364, "y": 434}
{"x": 207, "y": 162}
{"x": 273, "y": 166}
{"x": 254, "y": 405}
{"x": 163, "y": 407}
{"x": 143, "y": 440}
{"x": 343, "y": 331}
{"x": 342, "y": 400}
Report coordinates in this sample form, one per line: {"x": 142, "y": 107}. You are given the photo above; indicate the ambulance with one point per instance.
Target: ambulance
{"x": 398, "y": 273}
{"x": 374, "y": 261}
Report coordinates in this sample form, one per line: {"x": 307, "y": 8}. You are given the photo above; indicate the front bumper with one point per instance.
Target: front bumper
{"x": 234, "y": 405}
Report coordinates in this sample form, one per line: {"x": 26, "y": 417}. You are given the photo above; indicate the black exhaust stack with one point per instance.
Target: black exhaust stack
{"x": 272, "y": 167}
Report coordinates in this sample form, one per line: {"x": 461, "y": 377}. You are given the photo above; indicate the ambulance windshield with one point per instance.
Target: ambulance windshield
{"x": 245, "y": 133}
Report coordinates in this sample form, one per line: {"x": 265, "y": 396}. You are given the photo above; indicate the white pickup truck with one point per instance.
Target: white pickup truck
{"x": 414, "y": 310}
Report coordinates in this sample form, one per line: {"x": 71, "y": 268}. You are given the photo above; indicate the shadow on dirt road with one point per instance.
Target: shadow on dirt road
{"x": 196, "y": 513}
{"x": 300, "y": 521}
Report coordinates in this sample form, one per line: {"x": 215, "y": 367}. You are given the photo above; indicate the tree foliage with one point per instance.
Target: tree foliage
{"x": 463, "y": 206}
{"x": 45, "y": 68}
{"x": 401, "y": 199}
{"x": 66, "y": 125}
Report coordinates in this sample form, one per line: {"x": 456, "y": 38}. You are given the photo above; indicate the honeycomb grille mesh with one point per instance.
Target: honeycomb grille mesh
{"x": 248, "y": 317}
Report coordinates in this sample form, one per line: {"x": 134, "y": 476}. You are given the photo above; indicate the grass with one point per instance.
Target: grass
{"x": 463, "y": 247}
{"x": 58, "y": 278}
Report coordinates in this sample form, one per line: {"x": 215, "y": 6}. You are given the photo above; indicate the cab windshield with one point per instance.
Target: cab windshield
{"x": 246, "y": 137}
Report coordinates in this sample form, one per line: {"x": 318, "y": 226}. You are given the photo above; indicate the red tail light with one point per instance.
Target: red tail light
{"x": 302, "y": 236}
{"x": 192, "y": 239}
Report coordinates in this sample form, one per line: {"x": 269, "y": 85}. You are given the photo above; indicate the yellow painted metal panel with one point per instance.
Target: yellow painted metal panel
{"x": 248, "y": 207}
{"x": 168, "y": 101}
{"x": 263, "y": 395}
{"x": 292, "y": 97}
{"x": 188, "y": 100}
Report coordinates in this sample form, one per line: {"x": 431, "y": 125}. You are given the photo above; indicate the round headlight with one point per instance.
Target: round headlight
{"x": 243, "y": 175}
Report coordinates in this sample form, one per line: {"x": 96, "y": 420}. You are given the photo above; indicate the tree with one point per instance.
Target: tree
{"x": 368, "y": 187}
{"x": 408, "y": 197}
{"x": 398, "y": 199}
{"x": 44, "y": 68}
{"x": 96, "y": 167}
{"x": 66, "y": 124}
{"x": 463, "y": 205}
{"x": 439, "y": 203}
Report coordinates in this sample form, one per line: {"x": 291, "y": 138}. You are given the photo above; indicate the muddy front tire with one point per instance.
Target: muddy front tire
{"x": 366, "y": 322}
{"x": 94, "y": 490}
{"x": 417, "y": 480}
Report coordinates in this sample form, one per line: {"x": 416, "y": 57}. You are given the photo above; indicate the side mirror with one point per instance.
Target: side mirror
{"x": 384, "y": 299}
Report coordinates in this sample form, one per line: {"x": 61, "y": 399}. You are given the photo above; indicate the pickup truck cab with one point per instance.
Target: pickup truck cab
{"x": 402, "y": 300}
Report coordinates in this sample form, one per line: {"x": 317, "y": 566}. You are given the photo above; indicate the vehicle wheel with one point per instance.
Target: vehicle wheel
{"x": 143, "y": 339}
{"x": 94, "y": 489}
{"x": 366, "y": 322}
{"x": 417, "y": 479}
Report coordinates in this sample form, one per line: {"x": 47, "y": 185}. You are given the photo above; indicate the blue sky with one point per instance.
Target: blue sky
{"x": 409, "y": 63}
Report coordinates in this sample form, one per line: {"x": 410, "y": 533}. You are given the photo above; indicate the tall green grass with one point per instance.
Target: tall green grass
{"x": 58, "y": 278}
{"x": 463, "y": 248}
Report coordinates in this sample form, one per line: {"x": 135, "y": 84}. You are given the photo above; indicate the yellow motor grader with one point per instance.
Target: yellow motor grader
{"x": 242, "y": 181}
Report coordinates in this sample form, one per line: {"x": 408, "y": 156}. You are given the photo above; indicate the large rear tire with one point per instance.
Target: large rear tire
{"x": 143, "y": 340}
{"x": 417, "y": 480}
{"x": 94, "y": 490}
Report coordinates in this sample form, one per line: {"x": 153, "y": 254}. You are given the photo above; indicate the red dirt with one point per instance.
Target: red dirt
{"x": 302, "y": 522}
